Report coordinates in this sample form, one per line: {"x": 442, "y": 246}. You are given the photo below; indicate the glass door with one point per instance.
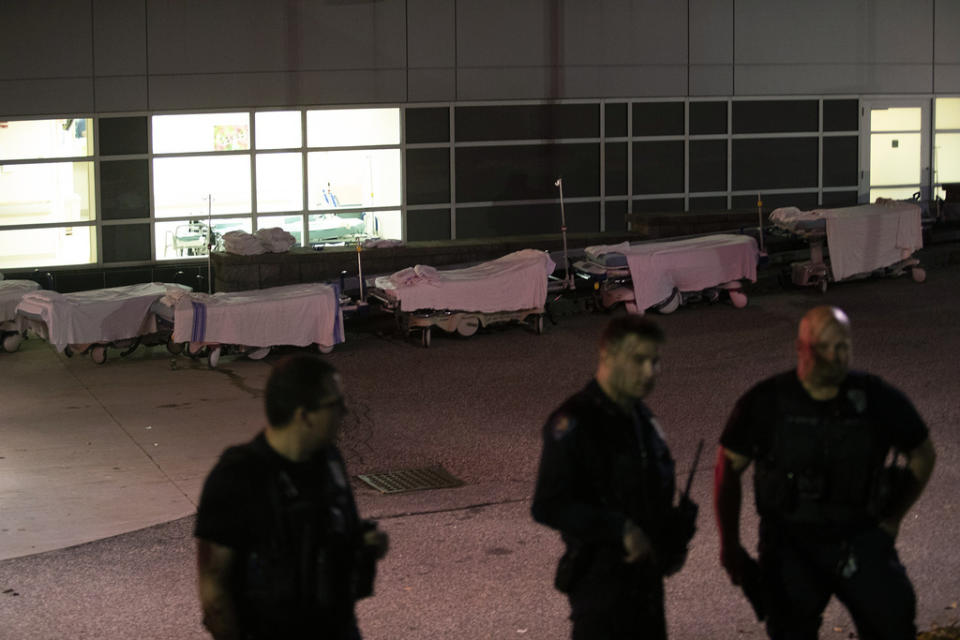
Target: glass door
{"x": 895, "y": 149}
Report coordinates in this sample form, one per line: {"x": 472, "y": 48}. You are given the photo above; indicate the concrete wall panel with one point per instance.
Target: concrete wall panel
{"x": 244, "y": 36}
{"x": 813, "y": 79}
{"x": 65, "y": 96}
{"x": 45, "y": 39}
{"x": 121, "y": 93}
{"x": 431, "y": 85}
{"x": 431, "y": 25}
{"x": 711, "y": 79}
{"x": 227, "y": 90}
{"x": 946, "y": 26}
{"x": 119, "y": 38}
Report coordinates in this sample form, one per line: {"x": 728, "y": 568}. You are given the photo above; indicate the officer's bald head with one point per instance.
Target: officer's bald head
{"x": 823, "y": 348}
{"x": 817, "y": 319}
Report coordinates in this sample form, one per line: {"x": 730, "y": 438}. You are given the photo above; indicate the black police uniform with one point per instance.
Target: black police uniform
{"x": 600, "y": 467}
{"x": 300, "y": 561}
{"x": 819, "y": 484}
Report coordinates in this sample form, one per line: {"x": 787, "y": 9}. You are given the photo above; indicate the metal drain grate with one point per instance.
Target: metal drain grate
{"x": 411, "y": 480}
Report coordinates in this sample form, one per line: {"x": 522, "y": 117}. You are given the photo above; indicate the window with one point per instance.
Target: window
{"x": 946, "y": 144}
{"x": 46, "y": 179}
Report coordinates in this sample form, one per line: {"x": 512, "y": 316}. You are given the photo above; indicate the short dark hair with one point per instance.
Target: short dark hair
{"x": 630, "y": 324}
{"x": 301, "y": 380}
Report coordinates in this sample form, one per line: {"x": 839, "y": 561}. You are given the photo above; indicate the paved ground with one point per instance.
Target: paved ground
{"x": 466, "y": 563}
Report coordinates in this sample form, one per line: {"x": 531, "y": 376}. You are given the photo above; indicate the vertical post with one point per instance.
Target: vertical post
{"x": 209, "y": 240}
{"x": 567, "y": 276}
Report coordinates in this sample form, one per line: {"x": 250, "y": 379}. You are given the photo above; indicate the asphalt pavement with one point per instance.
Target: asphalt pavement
{"x": 468, "y": 563}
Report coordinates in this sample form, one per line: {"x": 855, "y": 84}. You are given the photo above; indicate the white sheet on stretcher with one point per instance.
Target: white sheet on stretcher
{"x": 865, "y": 237}
{"x": 513, "y": 282}
{"x": 691, "y": 264}
{"x": 296, "y": 314}
{"x": 100, "y": 315}
{"x": 11, "y": 292}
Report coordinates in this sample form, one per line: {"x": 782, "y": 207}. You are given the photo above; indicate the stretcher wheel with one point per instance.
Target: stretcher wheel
{"x": 468, "y": 326}
{"x": 258, "y": 354}
{"x": 176, "y": 348}
{"x": 67, "y": 351}
{"x": 738, "y": 298}
{"x": 823, "y": 285}
{"x": 538, "y": 324}
{"x": 12, "y": 342}
{"x": 213, "y": 358}
{"x": 325, "y": 348}
{"x": 671, "y": 304}
{"x": 918, "y": 274}
{"x": 98, "y": 353}
{"x": 425, "y": 337}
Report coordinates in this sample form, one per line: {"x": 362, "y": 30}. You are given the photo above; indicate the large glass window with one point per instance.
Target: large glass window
{"x": 278, "y": 130}
{"x": 48, "y": 246}
{"x": 188, "y": 238}
{"x": 63, "y": 138}
{"x": 40, "y": 193}
{"x": 44, "y": 180}
{"x": 946, "y": 143}
{"x": 353, "y": 179}
{"x": 201, "y": 132}
{"x": 181, "y": 186}
{"x": 353, "y": 127}
{"x": 279, "y": 182}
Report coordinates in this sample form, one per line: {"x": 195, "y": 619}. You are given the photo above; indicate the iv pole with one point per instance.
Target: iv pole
{"x": 567, "y": 276}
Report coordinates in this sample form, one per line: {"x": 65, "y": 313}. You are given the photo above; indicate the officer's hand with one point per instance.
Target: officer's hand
{"x": 636, "y": 543}
{"x": 732, "y": 558}
{"x": 377, "y": 539}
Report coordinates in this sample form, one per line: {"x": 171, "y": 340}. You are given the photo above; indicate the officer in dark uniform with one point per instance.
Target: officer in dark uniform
{"x": 829, "y": 505}
{"x": 281, "y": 550}
{"x": 606, "y": 483}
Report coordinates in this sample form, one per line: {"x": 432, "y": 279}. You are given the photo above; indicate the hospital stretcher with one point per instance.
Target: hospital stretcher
{"x": 869, "y": 239}
{"x": 91, "y": 321}
{"x": 251, "y": 322}
{"x": 512, "y": 288}
{"x": 11, "y": 293}
{"x": 664, "y": 275}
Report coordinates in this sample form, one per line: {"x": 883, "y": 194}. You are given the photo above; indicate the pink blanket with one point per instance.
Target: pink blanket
{"x": 514, "y": 282}
{"x": 691, "y": 264}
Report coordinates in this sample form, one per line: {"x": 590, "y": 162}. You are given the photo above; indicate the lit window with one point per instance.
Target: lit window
{"x": 181, "y": 185}
{"x": 948, "y": 113}
{"x": 896, "y": 119}
{"x": 29, "y": 139}
{"x": 201, "y": 132}
{"x": 353, "y": 127}
{"x": 279, "y": 182}
{"x": 291, "y": 224}
{"x": 179, "y": 239}
{"x": 47, "y": 247}
{"x": 278, "y": 129}
{"x": 353, "y": 179}
{"x": 349, "y": 227}
{"x": 946, "y": 153}
{"x": 45, "y": 193}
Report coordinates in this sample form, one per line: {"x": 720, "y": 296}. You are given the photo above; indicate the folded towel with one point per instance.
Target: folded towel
{"x": 242, "y": 243}
{"x": 275, "y": 239}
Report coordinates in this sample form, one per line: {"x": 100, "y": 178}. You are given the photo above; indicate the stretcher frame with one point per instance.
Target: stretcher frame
{"x": 816, "y": 271}
{"x": 463, "y": 323}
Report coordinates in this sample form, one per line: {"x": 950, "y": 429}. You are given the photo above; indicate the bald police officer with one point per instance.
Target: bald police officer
{"x": 829, "y": 506}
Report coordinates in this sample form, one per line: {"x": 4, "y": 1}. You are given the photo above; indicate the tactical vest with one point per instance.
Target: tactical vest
{"x": 824, "y": 462}
{"x": 309, "y": 570}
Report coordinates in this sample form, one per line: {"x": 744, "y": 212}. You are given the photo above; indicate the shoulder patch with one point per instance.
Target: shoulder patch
{"x": 561, "y": 425}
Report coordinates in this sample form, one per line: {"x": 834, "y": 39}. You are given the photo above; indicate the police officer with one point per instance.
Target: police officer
{"x": 281, "y": 551}
{"x": 606, "y": 483}
{"x": 830, "y": 507}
